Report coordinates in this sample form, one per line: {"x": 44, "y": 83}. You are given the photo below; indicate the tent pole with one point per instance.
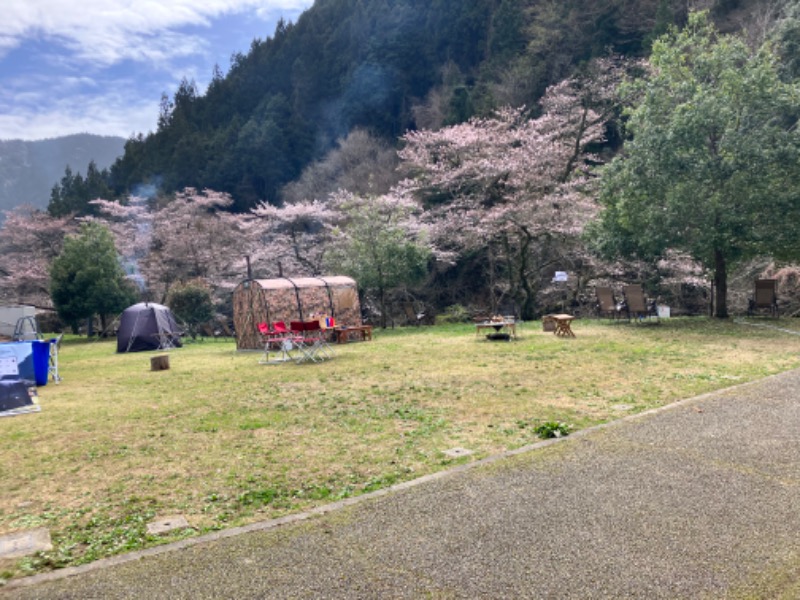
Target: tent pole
{"x": 330, "y": 296}
{"x": 297, "y": 295}
{"x": 133, "y": 332}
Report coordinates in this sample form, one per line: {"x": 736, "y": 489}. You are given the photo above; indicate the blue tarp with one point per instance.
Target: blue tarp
{"x": 33, "y": 359}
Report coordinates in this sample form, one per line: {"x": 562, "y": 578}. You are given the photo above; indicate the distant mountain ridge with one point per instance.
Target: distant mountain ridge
{"x": 30, "y": 169}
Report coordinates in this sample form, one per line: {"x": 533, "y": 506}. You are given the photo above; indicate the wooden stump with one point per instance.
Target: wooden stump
{"x": 159, "y": 363}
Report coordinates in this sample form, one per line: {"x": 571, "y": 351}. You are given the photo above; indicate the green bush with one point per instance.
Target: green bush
{"x": 192, "y": 304}
{"x": 552, "y": 429}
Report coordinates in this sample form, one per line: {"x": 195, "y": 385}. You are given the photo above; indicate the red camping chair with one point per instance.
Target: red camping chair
{"x": 316, "y": 335}
{"x": 278, "y": 328}
{"x": 312, "y": 344}
{"x": 267, "y": 333}
{"x": 279, "y": 343}
{"x": 275, "y": 335}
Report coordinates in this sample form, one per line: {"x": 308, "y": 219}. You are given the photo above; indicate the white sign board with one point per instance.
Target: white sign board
{"x": 8, "y": 366}
{"x": 560, "y": 276}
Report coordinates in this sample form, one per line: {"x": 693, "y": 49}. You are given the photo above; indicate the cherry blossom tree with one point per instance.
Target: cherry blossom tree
{"x": 518, "y": 188}
{"x": 289, "y": 240}
{"x": 195, "y": 237}
{"x": 29, "y": 241}
{"x": 131, "y": 224}
{"x": 378, "y": 241}
{"x": 191, "y": 236}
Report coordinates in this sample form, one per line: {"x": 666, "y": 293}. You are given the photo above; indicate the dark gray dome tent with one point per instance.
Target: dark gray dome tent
{"x": 147, "y": 326}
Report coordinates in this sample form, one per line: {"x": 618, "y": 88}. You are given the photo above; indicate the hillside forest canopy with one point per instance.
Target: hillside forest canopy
{"x": 529, "y": 141}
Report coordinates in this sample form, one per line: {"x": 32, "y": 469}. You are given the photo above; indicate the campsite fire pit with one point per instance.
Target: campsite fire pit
{"x": 498, "y": 337}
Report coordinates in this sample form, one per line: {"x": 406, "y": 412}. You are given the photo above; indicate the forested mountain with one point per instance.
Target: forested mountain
{"x": 382, "y": 65}
{"x": 29, "y": 170}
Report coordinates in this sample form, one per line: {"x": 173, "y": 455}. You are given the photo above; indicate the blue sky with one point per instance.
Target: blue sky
{"x": 100, "y": 66}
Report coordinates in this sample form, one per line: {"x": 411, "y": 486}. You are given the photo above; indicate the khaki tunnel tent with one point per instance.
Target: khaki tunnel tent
{"x": 285, "y": 299}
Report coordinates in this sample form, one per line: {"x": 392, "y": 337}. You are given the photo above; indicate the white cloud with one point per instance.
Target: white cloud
{"x": 99, "y": 66}
{"x": 108, "y": 31}
{"x": 41, "y": 107}
{"x": 114, "y": 113}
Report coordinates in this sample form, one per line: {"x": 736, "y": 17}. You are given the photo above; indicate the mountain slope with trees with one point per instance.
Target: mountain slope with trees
{"x": 30, "y": 169}
{"x": 384, "y": 66}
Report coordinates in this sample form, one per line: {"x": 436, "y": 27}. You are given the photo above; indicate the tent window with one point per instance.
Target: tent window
{"x": 344, "y": 298}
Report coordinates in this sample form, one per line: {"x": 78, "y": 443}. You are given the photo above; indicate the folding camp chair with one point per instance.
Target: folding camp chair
{"x": 312, "y": 345}
{"x": 52, "y": 370}
{"x": 314, "y": 334}
{"x": 280, "y": 344}
{"x": 274, "y": 333}
{"x": 637, "y": 305}
{"x": 606, "y": 304}
{"x": 765, "y": 297}
{"x": 413, "y": 317}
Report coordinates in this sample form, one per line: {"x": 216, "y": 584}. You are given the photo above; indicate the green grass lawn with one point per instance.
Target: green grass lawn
{"x": 226, "y": 441}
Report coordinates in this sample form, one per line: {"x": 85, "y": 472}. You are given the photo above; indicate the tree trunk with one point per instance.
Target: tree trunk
{"x": 721, "y": 284}
{"x": 528, "y": 308}
{"x": 382, "y": 303}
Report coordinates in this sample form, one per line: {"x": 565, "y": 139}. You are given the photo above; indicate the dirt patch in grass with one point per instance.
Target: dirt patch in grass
{"x": 226, "y": 441}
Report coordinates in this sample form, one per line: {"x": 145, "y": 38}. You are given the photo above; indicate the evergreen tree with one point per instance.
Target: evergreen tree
{"x": 74, "y": 194}
{"x": 86, "y": 278}
{"x": 712, "y": 167}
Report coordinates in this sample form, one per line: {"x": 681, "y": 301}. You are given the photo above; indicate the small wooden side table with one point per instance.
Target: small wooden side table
{"x": 563, "y": 325}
